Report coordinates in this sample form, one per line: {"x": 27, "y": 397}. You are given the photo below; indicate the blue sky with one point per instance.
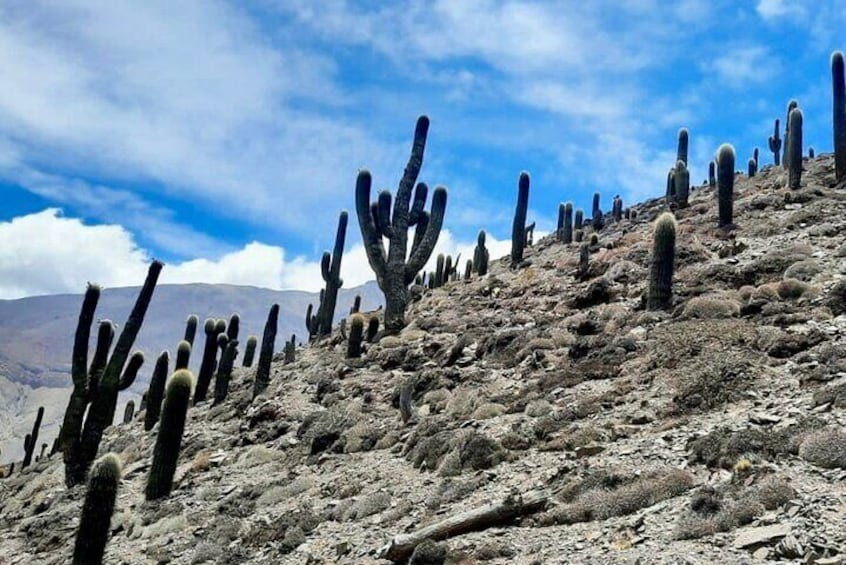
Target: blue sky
{"x": 225, "y": 137}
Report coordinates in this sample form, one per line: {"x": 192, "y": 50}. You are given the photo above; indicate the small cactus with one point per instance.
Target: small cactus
{"x": 838, "y": 83}
{"x": 480, "y": 255}
{"x": 372, "y": 329}
{"x": 129, "y": 412}
{"x": 96, "y": 517}
{"x": 671, "y": 187}
{"x": 291, "y": 349}
{"x": 439, "y": 270}
{"x": 751, "y": 168}
{"x": 578, "y": 236}
{"x": 755, "y": 157}
{"x": 681, "y": 152}
{"x": 29, "y": 447}
{"x": 584, "y": 261}
{"x": 233, "y": 328}
{"x": 266, "y": 354}
{"x": 725, "y": 182}
{"x": 811, "y": 154}
{"x": 406, "y": 407}
{"x": 155, "y": 392}
{"x": 578, "y": 219}
{"x": 518, "y": 229}
{"x": 663, "y": 256}
{"x": 356, "y": 306}
{"x": 793, "y": 159}
{"x": 775, "y": 145}
{"x": 191, "y": 329}
{"x": 250, "y": 351}
{"x": 681, "y": 182}
{"x": 617, "y": 208}
{"x": 712, "y": 176}
{"x": 356, "y": 335}
{"x": 468, "y": 269}
{"x": 169, "y": 438}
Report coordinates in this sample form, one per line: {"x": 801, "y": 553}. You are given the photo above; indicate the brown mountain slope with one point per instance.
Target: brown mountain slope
{"x": 700, "y": 435}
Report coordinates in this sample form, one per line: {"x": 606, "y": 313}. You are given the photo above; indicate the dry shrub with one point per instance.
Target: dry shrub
{"x": 825, "y": 448}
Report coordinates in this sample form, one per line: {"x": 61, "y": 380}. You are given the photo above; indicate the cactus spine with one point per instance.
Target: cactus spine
{"x": 775, "y": 145}
{"x": 29, "y": 446}
{"x": 393, "y": 272}
{"x": 681, "y": 182}
{"x": 330, "y": 268}
{"x": 266, "y": 354}
{"x": 681, "y": 152}
{"x": 191, "y": 329}
{"x": 793, "y": 159}
{"x": 481, "y": 256}
{"x": 250, "y": 351}
{"x": 80, "y": 441}
{"x": 356, "y": 335}
{"x": 725, "y": 182}
{"x": 518, "y": 227}
{"x": 839, "y": 115}
{"x": 93, "y": 532}
{"x": 169, "y": 438}
{"x": 155, "y": 392}
{"x": 663, "y": 255}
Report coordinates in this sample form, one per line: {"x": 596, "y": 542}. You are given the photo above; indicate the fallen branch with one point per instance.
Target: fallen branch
{"x": 497, "y": 513}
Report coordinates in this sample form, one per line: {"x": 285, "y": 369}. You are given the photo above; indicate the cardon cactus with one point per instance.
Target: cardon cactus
{"x": 356, "y": 306}
{"x": 663, "y": 256}
{"x": 755, "y": 157}
{"x": 290, "y": 349}
{"x": 129, "y": 412}
{"x": 839, "y": 115}
{"x": 155, "y": 392}
{"x": 567, "y": 229}
{"x": 584, "y": 261}
{"x": 100, "y": 497}
{"x": 681, "y": 182}
{"x": 330, "y": 269}
{"x": 224, "y": 370}
{"x": 191, "y": 329}
{"x": 468, "y": 269}
{"x": 792, "y": 105}
{"x": 671, "y": 187}
{"x": 356, "y": 335}
{"x": 250, "y": 351}
{"x": 212, "y": 329}
{"x": 578, "y": 219}
{"x": 80, "y": 441}
{"x": 712, "y": 174}
{"x": 183, "y": 356}
{"x": 233, "y": 328}
{"x": 617, "y": 208}
{"x": 393, "y": 273}
{"x": 518, "y": 226}
{"x": 775, "y": 144}
{"x": 266, "y": 354}
{"x": 169, "y": 438}
{"x": 751, "y": 168}
{"x": 439, "y": 270}
{"x": 481, "y": 256}
{"x": 794, "y": 145}
{"x": 596, "y": 219}
{"x": 372, "y": 329}
{"x": 29, "y": 447}
{"x": 725, "y": 184}
{"x": 681, "y": 151}
{"x": 312, "y": 319}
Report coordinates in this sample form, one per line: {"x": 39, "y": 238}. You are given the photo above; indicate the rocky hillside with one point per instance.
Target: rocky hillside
{"x": 710, "y": 433}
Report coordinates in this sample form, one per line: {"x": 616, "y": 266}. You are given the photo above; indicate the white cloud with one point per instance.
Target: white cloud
{"x": 770, "y": 9}
{"x": 738, "y": 67}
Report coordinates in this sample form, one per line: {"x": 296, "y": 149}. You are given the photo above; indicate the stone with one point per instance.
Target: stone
{"x": 753, "y": 537}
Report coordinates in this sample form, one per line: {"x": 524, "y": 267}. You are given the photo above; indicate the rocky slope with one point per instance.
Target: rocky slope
{"x": 708, "y": 434}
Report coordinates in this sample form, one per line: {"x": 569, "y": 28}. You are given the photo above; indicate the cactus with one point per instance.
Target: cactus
{"x": 480, "y": 255}
{"x": 96, "y": 517}
{"x": 681, "y": 182}
{"x": 250, "y": 351}
{"x": 447, "y": 269}
{"x": 578, "y": 236}
{"x": 169, "y": 438}
{"x": 155, "y": 392}
{"x": 81, "y": 440}
{"x": 663, "y": 255}
{"x": 793, "y": 104}
{"x": 233, "y": 327}
{"x": 560, "y": 224}
{"x": 567, "y": 231}
{"x": 439, "y": 270}
{"x": 793, "y": 159}
{"x": 183, "y": 357}
{"x": 312, "y": 320}
{"x": 751, "y": 168}
{"x": 584, "y": 260}
{"x": 839, "y": 115}
{"x": 671, "y": 186}
{"x": 191, "y": 329}
{"x": 291, "y": 349}
{"x": 518, "y": 227}
{"x": 775, "y": 145}
{"x": 681, "y": 152}
{"x": 29, "y": 447}
{"x": 330, "y": 269}
{"x": 406, "y": 407}
{"x": 596, "y": 218}
{"x": 755, "y": 158}
{"x": 468, "y": 269}
{"x": 393, "y": 272}
{"x": 530, "y": 232}
{"x": 224, "y": 370}
{"x": 356, "y": 304}
{"x": 594, "y": 240}
{"x": 129, "y": 412}
{"x": 372, "y": 329}
{"x": 356, "y": 334}
{"x": 579, "y": 219}
{"x": 617, "y": 208}
{"x": 810, "y": 152}
{"x": 725, "y": 182}
{"x": 41, "y": 455}
{"x": 712, "y": 176}
{"x": 212, "y": 329}
{"x": 266, "y": 354}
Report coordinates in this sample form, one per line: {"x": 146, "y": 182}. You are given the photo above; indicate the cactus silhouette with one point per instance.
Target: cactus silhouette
{"x": 266, "y": 353}
{"x": 518, "y": 227}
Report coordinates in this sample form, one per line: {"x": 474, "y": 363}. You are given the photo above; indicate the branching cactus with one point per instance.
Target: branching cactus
{"x": 155, "y": 392}
{"x": 191, "y": 329}
{"x": 839, "y": 114}
{"x": 481, "y": 256}
{"x": 169, "y": 438}
{"x": 33, "y": 438}
{"x": 725, "y": 184}
{"x": 312, "y": 318}
{"x": 681, "y": 182}
{"x": 96, "y": 387}
{"x": 100, "y": 497}
{"x": 330, "y": 268}
{"x": 266, "y": 354}
{"x": 518, "y": 228}
{"x": 356, "y": 335}
{"x": 224, "y": 370}
{"x": 794, "y": 145}
{"x": 663, "y": 257}
{"x": 212, "y": 329}
{"x": 250, "y": 351}
{"x": 681, "y": 151}
{"x": 393, "y": 272}
{"x": 793, "y": 104}
{"x": 775, "y": 145}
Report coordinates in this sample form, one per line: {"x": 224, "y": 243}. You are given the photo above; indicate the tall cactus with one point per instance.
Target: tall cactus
{"x": 671, "y": 186}
{"x": 169, "y": 438}
{"x": 266, "y": 354}
{"x": 312, "y": 319}
{"x": 33, "y": 438}
{"x": 330, "y": 269}
{"x": 100, "y": 497}
{"x": 99, "y": 387}
{"x": 596, "y": 214}
{"x": 712, "y": 174}
{"x": 212, "y": 328}
{"x": 291, "y": 349}
{"x": 617, "y": 208}
{"x": 439, "y": 270}
{"x": 839, "y": 115}
{"x": 775, "y": 145}
{"x": 751, "y": 167}
{"x": 191, "y": 329}
{"x": 393, "y": 273}
{"x": 567, "y": 231}
{"x": 663, "y": 256}
{"x": 725, "y": 184}
{"x": 183, "y": 357}
{"x": 791, "y": 105}
{"x": 578, "y": 219}
{"x": 224, "y": 370}
{"x": 518, "y": 226}
{"x": 681, "y": 151}
{"x": 356, "y": 306}
{"x": 793, "y": 160}
{"x": 250, "y": 351}
{"x": 129, "y": 412}
{"x": 681, "y": 182}
{"x": 234, "y": 327}
{"x": 481, "y": 255}
{"x": 155, "y": 392}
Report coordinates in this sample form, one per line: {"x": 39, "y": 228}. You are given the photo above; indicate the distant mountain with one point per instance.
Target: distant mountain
{"x": 36, "y": 339}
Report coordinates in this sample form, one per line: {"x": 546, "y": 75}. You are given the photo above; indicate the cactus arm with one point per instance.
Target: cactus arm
{"x": 420, "y": 193}
{"x": 419, "y": 231}
{"x": 373, "y": 246}
{"x": 155, "y": 392}
{"x": 409, "y": 176}
{"x": 383, "y": 217}
{"x": 433, "y": 230}
{"x": 131, "y": 371}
